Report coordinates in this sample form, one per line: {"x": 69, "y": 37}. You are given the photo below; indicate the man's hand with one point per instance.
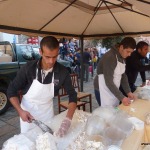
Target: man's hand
{"x": 126, "y": 101}
{"x": 143, "y": 84}
{"x": 65, "y": 125}
{"x": 25, "y": 116}
{"x": 131, "y": 96}
{"x": 148, "y": 83}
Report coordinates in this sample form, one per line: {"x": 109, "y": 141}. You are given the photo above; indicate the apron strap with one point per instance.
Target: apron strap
{"x": 37, "y": 70}
{"x": 36, "y": 77}
{"x": 44, "y": 76}
{"x": 53, "y": 78}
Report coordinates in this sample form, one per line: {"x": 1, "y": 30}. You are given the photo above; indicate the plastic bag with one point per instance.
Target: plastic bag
{"x": 143, "y": 92}
{"x": 107, "y": 113}
{"x": 95, "y": 125}
{"x": 19, "y": 142}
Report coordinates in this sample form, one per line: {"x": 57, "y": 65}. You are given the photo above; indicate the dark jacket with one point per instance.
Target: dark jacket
{"x": 134, "y": 65}
{"x": 27, "y": 74}
{"x": 86, "y": 57}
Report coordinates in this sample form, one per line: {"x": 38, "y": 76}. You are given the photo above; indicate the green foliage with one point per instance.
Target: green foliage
{"x": 95, "y": 42}
{"x": 92, "y": 42}
{"x": 110, "y": 41}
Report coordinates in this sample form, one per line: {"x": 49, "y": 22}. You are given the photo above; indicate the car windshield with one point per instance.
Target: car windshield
{"x": 27, "y": 52}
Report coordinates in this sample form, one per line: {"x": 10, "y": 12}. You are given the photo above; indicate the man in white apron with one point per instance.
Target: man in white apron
{"x": 111, "y": 74}
{"x": 37, "y": 80}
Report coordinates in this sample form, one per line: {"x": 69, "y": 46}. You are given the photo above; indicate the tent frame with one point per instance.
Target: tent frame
{"x": 123, "y": 5}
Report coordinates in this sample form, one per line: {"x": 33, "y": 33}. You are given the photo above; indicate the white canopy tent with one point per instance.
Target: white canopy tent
{"x": 142, "y": 5}
{"x": 75, "y": 18}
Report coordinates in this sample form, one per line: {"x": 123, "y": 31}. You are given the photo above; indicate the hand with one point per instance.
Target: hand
{"x": 26, "y": 116}
{"x": 131, "y": 96}
{"x": 143, "y": 84}
{"x": 126, "y": 101}
{"x": 64, "y": 127}
{"x": 148, "y": 83}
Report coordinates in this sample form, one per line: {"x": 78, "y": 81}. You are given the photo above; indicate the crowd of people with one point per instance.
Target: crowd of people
{"x": 70, "y": 51}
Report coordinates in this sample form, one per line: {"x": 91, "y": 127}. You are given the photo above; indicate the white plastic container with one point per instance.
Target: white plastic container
{"x": 123, "y": 124}
{"x": 113, "y": 136}
{"x": 95, "y": 126}
{"x": 107, "y": 113}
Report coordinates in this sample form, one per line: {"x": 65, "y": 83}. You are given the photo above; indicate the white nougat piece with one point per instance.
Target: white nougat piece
{"x": 19, "y": 142}
{"x": 46, "y": 141}
{"x": 93, "y": 145}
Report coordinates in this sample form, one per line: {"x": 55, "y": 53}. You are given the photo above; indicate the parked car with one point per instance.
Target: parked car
{"x": 12, "y": 57}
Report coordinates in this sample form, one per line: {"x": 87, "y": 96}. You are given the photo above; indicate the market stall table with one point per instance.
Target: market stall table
{"x": 134, "y": 141}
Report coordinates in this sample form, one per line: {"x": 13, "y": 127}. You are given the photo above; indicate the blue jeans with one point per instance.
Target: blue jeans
{"x": 97, "y": 95}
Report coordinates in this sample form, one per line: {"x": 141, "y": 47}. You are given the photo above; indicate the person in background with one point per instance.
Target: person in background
{"x": 71, "y": 46}
{"x": 134, "y": 64}
{"x": 78, "y": 61}
{"x": 39, "y": 81}
{"x": 86, "y": 61}
{"x": 94, "y": 58}
{"x": 111, "y": 74}
{"x": 68, "y": 58}
{"x": 91, "y": 63}
{"x": 103, "y": 51}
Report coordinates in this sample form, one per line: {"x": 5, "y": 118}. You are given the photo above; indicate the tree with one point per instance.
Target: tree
{"x": 92, "y": 43}
{"x": 110, "y": 41}
{"x": 96, "y": 42}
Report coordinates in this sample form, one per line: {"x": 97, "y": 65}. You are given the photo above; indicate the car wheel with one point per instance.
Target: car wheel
{"x": 4, "y": 102}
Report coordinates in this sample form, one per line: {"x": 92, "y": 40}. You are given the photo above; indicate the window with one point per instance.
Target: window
{"x": 6, "y": 49}
{"x": 27, "y": 52}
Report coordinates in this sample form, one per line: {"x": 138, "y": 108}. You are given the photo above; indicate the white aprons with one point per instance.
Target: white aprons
{"x": 107, "y": 97}
{"x": 38, "y": 101}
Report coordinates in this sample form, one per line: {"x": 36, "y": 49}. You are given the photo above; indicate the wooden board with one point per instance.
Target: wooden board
{"x": 133, "y": 142}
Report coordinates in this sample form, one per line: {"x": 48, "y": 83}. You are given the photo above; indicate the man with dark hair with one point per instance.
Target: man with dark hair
{"x": 86, "y": 63}
{"x": 111, "y": 74}
{"x": 77, "y": 59}
{"x": 39, "y": 81}
{"x": 134, "y": 64}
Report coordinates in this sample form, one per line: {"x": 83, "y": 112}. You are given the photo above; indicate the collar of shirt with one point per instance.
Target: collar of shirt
{"x": 44, "y": 73}
{"x": 118, "y": 54}
{"x": 41, "y": 75}
{"x": 55, "y": 68}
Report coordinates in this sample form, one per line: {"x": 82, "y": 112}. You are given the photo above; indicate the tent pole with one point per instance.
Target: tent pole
{"x": 127, "y": 8}
{"x": 143, "y": 1}
{"x": 82, "y": 73}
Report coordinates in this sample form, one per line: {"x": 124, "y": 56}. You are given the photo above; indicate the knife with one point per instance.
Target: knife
{"x": 42, "y": 126}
